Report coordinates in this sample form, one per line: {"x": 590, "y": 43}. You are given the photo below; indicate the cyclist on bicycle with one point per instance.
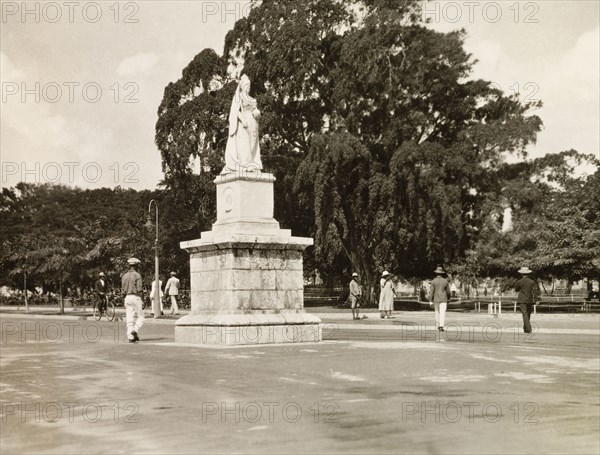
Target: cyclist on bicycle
{"x": 101, "y": 289}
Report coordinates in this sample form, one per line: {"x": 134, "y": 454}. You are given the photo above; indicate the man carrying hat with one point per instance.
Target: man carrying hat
{"x": 355, "y": 293}
{"x": 439, "y": 294}
{"x": 131, "y": 286}
{"x": 528, "y": 294}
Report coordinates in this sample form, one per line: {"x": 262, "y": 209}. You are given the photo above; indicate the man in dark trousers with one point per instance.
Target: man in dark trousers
{"x": 101, "y": 288}
{"x": 528, "y": 295}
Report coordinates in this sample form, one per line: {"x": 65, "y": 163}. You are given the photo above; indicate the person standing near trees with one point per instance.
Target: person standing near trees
{"x": 131, "y": 287}
{"x": 172, "y": 290}
{"x": 101, "y": 289}
{"x": 439, "y": 294}
{"x": 354, "y": 297}
{"x": 386, "y": 298}
{"x": 528, "y": 294}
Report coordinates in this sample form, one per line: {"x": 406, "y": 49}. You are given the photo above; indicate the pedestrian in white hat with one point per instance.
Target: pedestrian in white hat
{"x": 172, "y": 290}
{"x": 528, "y": 294}
{"x": 439, "y": 294}
{"x": 131, "y": 287}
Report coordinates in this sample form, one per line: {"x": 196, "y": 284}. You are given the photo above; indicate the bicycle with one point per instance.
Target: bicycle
{"x": 108, "y": 310}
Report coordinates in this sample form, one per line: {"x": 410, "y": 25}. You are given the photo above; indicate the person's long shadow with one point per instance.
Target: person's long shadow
{"x": 155, "y": 339}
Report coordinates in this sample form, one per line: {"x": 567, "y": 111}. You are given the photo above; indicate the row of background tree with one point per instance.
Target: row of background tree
{"x": 56, "y": 233}
{"x": 53, "y": 235}
{"x": 385, "y": 149}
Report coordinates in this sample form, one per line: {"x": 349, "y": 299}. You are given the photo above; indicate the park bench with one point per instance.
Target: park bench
{"x": 318, "y": 295}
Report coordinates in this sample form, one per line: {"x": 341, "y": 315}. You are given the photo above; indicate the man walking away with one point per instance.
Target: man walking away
{"x": 529, "y": 293}
{"x": 439, "y": 294}
{"x": 131, "y": 287}
{"x": 172, "y": 289}
{"x": 355, "y": 294}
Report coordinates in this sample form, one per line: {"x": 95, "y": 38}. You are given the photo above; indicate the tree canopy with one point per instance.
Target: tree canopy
{"x": 384, "y": 147}
{"x": 55, "y": 233}
{"x": 386, "y": 150}
{"x": 556, "y": 228}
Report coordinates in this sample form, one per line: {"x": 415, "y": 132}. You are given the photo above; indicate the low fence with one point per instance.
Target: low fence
{"x": 88, "y": 300}
{"x": 550, "y": 304}
{"x": 319, "y": 296}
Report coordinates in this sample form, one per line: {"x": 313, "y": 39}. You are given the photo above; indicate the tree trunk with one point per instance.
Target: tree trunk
{"x": 569, "y": 286}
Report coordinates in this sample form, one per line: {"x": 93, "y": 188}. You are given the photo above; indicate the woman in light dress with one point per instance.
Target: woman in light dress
{"x": 243, "y": 149}
{"x": 386, "y": 297}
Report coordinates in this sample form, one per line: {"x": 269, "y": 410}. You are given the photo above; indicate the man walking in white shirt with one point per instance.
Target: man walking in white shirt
{"x": 131, "y": 287}
{"x": 172, "y": 289}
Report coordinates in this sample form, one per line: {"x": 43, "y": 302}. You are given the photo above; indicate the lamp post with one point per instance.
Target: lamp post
{"x": 149, "y": 225}
{"x": 25, "y": 286}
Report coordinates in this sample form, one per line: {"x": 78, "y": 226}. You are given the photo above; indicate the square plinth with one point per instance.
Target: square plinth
{"x": 245, "y": 203}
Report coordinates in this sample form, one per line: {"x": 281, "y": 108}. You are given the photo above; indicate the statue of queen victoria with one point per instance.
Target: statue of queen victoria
{"x": 242, "y": 150}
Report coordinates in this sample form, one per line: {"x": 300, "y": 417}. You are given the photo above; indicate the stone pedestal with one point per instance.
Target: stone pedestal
{"x": 246, "y": 274}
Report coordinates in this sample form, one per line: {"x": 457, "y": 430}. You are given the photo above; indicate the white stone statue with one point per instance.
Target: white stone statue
{"x": 243, "y": 150}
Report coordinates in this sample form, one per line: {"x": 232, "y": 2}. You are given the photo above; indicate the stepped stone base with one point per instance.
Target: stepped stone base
{"x": 248, "y": 328}
{"x": 246, "y": 274}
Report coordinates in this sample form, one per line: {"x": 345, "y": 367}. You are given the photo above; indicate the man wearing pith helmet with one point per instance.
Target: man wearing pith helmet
{"x": 131, "y": 287}
{"x": 355, "y": 293}
{"x": 528, "y": 294}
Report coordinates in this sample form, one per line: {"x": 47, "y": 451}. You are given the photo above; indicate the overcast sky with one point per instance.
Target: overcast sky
{"x": 102, "y": 68}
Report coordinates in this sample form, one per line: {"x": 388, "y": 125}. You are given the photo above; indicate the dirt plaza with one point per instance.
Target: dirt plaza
{"x": 394, "y": 386}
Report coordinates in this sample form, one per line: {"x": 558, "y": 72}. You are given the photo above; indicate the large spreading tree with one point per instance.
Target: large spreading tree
{"x": 383, "y": 146}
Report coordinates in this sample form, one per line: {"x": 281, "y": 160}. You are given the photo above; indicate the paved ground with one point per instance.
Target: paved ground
{"x": 70, "y": 385}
